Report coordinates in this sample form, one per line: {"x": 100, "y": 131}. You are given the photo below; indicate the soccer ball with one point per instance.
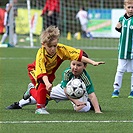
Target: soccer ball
{"x": 75, "y": 88}
{"x": 75, "y": 35}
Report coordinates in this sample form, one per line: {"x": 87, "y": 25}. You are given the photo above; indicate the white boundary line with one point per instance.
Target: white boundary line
{"x": 71, "y": 121}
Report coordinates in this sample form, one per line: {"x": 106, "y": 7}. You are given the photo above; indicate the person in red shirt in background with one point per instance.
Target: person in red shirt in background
{"x": 2, "y": 15}
{"x": 50, "y": 13}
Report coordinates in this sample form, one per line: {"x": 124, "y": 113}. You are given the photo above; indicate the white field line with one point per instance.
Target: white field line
{"x": 71, "y": 121}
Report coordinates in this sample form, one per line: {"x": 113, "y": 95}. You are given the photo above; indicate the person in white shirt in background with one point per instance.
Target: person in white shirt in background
{"x": 7, "y": 24}
{"x": 82, "y": 15}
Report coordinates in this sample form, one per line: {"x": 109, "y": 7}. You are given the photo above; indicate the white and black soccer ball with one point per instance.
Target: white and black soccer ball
{"x": 75, "y": 88}
{"x": 75, "y": 35}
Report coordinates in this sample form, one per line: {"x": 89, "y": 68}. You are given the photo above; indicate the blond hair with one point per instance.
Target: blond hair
{"x": 50, "y": 34}
{"x": 128, "y": 1}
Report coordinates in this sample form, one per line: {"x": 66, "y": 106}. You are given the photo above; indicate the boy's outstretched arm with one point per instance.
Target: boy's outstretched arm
{"x": 94, "y": 102}
{"x": 89, "y": 61}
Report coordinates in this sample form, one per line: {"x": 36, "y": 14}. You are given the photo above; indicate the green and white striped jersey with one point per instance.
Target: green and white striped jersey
{"x": 126, "y": 38}
{"x": 68, "y": 75}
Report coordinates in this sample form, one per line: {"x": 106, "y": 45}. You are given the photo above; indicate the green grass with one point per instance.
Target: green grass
{"x": 14, "y": 81}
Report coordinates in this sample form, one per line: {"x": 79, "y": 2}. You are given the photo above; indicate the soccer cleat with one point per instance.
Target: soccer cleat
{"x": 15, "y": 105}
{"x": 41, "y": 111}
{"x": 115, "y": 94}
{"x": 131, "y": 95}
{"x": 27, "y": 93}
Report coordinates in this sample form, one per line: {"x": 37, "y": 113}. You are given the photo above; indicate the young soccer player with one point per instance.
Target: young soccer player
{"x": 49, "y": 57}
{"x": 76, "y": 70}
{"x": 82, "y": 15}
{"x": 125, "y": 55}
{"x": 7, "y": 23}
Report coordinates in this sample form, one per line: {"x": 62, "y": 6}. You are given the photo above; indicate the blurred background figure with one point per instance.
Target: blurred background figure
{"x": 50, "y": 13}
{"x": 2, "y": 15}
{"x": 7, "y": 23}
{"x": 82, "y": 15}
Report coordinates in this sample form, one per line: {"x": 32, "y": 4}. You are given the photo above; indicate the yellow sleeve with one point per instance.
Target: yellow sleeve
{"x": 40, "y": 60}
{"x": 69, "y": 53}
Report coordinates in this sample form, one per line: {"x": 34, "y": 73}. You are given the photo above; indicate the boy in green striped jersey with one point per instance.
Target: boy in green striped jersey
{"x": 125, "y": 54}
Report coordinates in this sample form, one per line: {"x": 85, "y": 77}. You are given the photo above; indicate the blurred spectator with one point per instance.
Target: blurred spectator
{"x": 7, "y": 24}
{"x": 2, "y": 14}
{"x": 82, "y": 15}
{"x": 51, "y": 11}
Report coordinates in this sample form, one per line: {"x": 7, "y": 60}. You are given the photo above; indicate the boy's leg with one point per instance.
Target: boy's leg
{"x": 15, "y": 40}
{"x": 117, "y": 84}
{"x": 6, "y": 34}
{"x": 130, "y": 69}
{"x": 88, "y": 34}
{"x": 118, "y": 77}
{"x": 118, "y": 80}
{"x": 84, "y": 34}
{"x": 30, "y": 91}
{"x": 84, "y": 108}
{"x": 4, "y": 38}
{"x": 29, "y": 101}
{"x": 21, "y": 103}
{"x": 58, "y": 94}
{"x": 131, "y": 93}
{"x": 41, "y": 99}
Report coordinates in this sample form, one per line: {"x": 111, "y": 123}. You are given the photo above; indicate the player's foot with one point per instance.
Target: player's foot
{"x": 27, "y": 93}
{"x": 41, "y": 111}
{"x": 115, "y": 94}
{"x": 15, "y": 105}
{"x": 91, "y": 38}
{"x": 131, "y": 95}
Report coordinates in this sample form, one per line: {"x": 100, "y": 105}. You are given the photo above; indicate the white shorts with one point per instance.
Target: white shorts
{"x": 125, "y": 65}
{"x": 58, "y": 94}
{"x": 84, "y": 27}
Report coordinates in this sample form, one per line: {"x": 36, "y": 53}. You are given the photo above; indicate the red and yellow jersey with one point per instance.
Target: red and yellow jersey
{"x": 47, "y": 65}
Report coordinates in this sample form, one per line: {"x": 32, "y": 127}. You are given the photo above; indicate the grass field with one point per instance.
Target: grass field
{"x": 117, "y": 114}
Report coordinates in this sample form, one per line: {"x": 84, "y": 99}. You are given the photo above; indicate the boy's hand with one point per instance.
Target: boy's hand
{"x": 50, "y": 13}
{"x": 98, "y": 63}
{"x": 98, "y": 112}
{"x": 79, "y": 103}
{"x": 49, "y": 87}
{"x": 118, "y": 25}
{"x": 47, "y": 83}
